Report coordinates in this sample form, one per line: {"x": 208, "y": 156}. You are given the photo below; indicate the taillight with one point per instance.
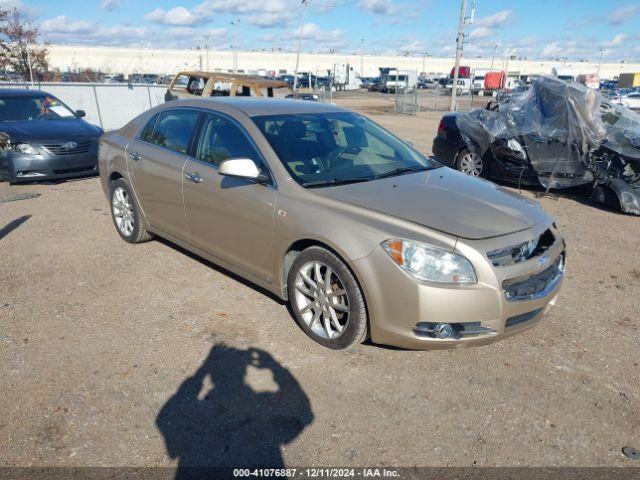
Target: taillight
{"x": 441, "y": 128}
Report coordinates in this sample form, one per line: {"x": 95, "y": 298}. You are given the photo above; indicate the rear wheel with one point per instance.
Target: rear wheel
{"x": 126, "y": 214}
{"x": 326, "y": 299}
{"x": 470, "y": 163}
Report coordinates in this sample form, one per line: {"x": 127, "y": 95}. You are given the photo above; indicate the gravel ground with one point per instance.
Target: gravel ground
{"x": 119, "y": 355}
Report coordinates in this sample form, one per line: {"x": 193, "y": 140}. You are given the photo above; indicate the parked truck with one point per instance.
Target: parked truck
{"x": 402, "y": 80}
{"x": 629, "y": 80}
{"x": 494, "y": 81}
{"x": 477, "y": 81}
{"x": 345, "y": 77}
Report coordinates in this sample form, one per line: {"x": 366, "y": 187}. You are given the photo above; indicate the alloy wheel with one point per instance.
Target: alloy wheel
{"x": 321, "y": 299}
{"x": 123, "y": 211}
{"x": 471, "y": 164}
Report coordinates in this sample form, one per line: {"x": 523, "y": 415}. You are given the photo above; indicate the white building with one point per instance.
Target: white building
{"x": 160, "y": 61}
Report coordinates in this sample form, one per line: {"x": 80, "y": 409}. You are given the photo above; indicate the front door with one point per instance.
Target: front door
{"x": 230, "y": 218}
{"x": 155, "y": 161}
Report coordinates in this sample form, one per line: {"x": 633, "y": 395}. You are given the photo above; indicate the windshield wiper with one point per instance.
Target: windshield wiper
{"x": 400, "y": 171}
{"x": 336, "y": 181}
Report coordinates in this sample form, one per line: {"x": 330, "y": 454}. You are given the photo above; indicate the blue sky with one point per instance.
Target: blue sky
{"x": 541, "y": 29}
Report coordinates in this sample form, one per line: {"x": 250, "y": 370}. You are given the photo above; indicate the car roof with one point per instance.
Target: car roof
{"x": 254, "y": 107}
{"x": 21, "y": 92}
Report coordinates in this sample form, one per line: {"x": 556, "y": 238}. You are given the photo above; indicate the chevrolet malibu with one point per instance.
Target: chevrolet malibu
{"x": 361, "y": 234}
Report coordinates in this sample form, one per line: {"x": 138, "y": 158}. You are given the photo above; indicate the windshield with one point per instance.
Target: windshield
{"x": 24, "y": 109}
{"x": 331, "y": 148}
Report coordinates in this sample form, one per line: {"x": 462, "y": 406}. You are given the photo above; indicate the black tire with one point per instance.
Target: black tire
{"x": 355, "y": 330}
{"x": 139, "y": 233}
{"x": 484, "y": 173}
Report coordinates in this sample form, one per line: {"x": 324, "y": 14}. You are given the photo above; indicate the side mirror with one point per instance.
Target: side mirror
{"x": 242, "y": 168}
{"x": 81, "y": 113}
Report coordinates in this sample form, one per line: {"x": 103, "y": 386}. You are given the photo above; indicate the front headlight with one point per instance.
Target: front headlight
{"x": 24, "y": 148}
{"x": 429, "y": 263}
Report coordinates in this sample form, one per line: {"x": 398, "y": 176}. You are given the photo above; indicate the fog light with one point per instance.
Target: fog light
{"x": 443, "y": 330}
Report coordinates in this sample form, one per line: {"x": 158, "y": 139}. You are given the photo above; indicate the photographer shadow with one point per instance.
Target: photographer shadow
{"x": 215, "y": 421}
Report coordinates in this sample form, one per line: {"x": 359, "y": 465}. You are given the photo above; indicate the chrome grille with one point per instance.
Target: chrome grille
{"x": 522, "y": 251}
{"x": 67, "y": 148}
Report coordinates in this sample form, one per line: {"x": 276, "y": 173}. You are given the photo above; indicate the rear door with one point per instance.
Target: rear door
{"x": 230, "y": 218}
{"x": 155, "y": 160}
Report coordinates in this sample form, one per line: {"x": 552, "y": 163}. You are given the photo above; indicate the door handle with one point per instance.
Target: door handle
{"x": 193, "y": 177}
{"x": 135, "y": 156}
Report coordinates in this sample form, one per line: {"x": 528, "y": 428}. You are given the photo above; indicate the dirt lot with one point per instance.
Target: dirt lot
{"x": 113, "y": 355}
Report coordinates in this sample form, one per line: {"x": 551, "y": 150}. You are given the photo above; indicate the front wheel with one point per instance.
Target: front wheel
{"x": 326, "y": 299}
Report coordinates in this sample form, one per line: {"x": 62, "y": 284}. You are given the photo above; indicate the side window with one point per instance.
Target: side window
{"x": 221, "y": 139}
{"x": 147, "y": 132}
{"x": 174, "y": 128}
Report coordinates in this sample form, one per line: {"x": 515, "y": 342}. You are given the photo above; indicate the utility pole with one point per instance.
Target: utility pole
{"x": 424, "y": 57}
{"x": 304, "y": 4}
{"x": 459, "y": 42}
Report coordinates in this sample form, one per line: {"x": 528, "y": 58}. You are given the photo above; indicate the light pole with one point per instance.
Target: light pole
{"x": 304, "y": 4}
{"x": 234, "y": 26}
{"x": 424, "y": 57}
{"x": 361, "y": 57}
{"x": 206, "y": 47}
{"x": 493, "y": 56}
{"x": 600, "y": 61}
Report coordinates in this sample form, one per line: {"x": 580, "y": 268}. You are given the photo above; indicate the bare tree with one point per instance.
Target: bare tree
{"x": 18, "y": 45}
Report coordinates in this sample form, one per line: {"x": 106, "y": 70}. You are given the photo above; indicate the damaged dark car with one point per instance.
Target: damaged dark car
{"x": 557, "y": 134}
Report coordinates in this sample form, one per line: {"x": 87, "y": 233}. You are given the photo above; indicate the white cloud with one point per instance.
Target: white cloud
{"x": 553, "y": 49}
{"x": 412, "y": 47}
{"x": 265, "y": 14}
{"x": 496, "y": 20}
{"x": 312, "y": 35}
{"x": 271, "y": 20}
{"x": 622, "y": 14}
{"x": 210, "y": 7}
{"x": 62, "y": 30}
{"x": 379, "y": 7}
{"x": 481, "y": 32}
{"x": 61, "y": 24}
{"x": 617, "y": 40}
{"x": 109, "y": 5}
{"x": 23, "y": 9}
{"x": 176, "y": 16}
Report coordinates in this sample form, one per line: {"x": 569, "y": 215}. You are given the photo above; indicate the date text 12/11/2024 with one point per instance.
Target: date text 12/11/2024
{"x": 316, "y": 472}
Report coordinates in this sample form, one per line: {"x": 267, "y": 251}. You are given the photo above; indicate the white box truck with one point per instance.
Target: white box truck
{"x": 402, "y": 80}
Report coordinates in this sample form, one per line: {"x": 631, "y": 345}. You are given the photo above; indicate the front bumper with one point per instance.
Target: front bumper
{"x": 19, "y": 167}
{"x": 399, "y": 306}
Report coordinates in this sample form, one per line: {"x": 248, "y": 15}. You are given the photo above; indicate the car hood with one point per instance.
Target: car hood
{"x": 48, "y": 130}
{"x": 445, "y": 200}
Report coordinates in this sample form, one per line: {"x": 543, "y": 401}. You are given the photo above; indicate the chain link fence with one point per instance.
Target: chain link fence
{"x": 439, "y": 100}
{"x": 406, "y": 101}
{"x": 110, "y": 105}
